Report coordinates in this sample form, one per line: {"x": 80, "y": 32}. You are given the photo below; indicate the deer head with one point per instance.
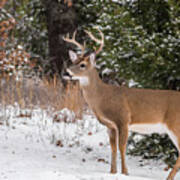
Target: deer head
{"x": 83, "y": 64}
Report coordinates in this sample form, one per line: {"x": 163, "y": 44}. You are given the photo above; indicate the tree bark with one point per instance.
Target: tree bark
{"x": 61, "y": 19}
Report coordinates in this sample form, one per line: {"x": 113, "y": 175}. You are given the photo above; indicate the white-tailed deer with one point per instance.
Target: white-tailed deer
{"x": 124, "y": 109}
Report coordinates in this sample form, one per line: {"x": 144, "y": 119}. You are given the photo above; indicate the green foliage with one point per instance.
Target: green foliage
{"x": 141, "y": 44}
{"x": 153, "y": 147}
{"x": 142, "y": 37}
{"x": 153, "y": 15}
{"x": 30, "y": 30}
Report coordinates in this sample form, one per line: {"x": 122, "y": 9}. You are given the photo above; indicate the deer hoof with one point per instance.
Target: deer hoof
{"x": 113, "y": 171}
{"x": 125, "y": 172}
{"x": 169, "y": 178}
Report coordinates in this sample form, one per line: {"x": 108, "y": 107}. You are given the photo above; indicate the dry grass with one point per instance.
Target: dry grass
{"x": 65, "y": 97}
{"x": 29, "y": 93}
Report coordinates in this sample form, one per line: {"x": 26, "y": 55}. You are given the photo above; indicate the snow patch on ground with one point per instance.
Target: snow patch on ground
{"x": 28, "y": 149}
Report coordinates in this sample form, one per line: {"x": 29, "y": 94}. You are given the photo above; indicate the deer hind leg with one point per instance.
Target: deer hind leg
{"x": 123, "y": 137}
{"x": 113, "y": 137}
{"x": 176, "y": 140}
{"x": 174, "y": 170}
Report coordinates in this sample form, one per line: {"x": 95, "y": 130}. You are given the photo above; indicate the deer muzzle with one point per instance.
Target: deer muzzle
{"x": 68, "y": 75}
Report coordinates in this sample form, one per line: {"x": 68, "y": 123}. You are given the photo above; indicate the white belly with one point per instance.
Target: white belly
{"x": 154, "y": 128}
{"x": 148, "y": 128}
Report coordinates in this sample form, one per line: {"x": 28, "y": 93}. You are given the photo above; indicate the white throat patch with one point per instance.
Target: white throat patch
{"x": 84, "y": 81}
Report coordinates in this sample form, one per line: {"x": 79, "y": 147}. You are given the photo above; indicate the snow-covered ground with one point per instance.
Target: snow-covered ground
{"x": 28, "y": 150}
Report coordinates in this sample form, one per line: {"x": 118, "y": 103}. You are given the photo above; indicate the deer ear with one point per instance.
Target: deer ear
{"x": 73, "y": 56}
{"x": 92, "y": 58}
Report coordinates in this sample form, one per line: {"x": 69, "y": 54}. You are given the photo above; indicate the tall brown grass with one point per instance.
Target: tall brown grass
{"x": 65, "y": 97}
{"x": 43, "y": 93}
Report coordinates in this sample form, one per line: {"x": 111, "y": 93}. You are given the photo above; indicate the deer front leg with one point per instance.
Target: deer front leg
{"x": 123, "y": 137}
{"x": 113, "y": 137}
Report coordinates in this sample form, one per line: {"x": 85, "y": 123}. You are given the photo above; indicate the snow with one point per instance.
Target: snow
{"x": 28, "y": 150}
{"x": 132, "y": 83}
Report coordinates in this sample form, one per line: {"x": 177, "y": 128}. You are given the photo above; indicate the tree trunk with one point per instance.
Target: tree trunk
{"x": 61, "y": 19}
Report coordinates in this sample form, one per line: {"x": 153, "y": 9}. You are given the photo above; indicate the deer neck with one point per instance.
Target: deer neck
{"x": 93, "y": 87}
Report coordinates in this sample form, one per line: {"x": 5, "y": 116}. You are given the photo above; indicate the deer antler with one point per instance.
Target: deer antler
{"x": 73, "y": 41}
{"x": 99, "y": 41}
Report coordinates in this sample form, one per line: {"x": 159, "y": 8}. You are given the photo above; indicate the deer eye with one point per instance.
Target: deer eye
{"x": 82, "y": 66}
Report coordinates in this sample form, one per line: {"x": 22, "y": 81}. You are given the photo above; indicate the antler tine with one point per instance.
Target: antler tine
{"x": 74, "y": 35}
{"x": 99, "y": 41}
{"x": 73, "y": 41}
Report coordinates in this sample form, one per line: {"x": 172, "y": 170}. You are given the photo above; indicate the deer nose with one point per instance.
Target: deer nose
{"x": 66, "y": 75}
